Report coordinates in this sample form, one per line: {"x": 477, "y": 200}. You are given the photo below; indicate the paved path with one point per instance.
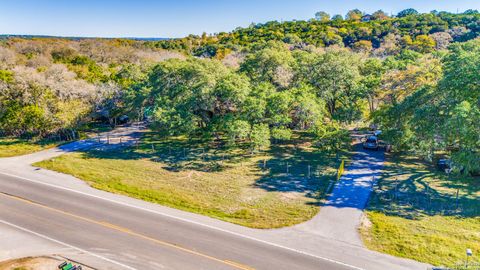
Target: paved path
{"x": 119, "y": 232}
{"x": 122, "y": 136}
{"x": 341, "y": 214}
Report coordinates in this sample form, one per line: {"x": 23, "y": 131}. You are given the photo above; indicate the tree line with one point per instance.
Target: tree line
{"x": 376, "y": 33}
{"x": 419, "y": 82}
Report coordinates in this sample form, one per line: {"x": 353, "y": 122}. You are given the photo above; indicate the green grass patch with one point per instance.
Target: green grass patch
{"x": 211, "y": 178}
{"x": 415, "y": 213}
{"x": 10, "y": 147}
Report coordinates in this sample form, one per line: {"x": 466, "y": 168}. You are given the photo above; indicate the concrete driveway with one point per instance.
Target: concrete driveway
{"x": 341, "y": 214}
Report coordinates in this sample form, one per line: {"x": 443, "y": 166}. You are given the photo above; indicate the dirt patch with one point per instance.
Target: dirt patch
{"x": 36, "y": 263}
{"x": 365, "y": 227}
{"x": 365, "y": 222}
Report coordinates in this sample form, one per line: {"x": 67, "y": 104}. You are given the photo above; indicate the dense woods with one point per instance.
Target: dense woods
{"x": 415, "y": 75}
{"x": 377, "y": 33}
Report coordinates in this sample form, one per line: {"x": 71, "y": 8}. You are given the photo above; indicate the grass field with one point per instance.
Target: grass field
{"x": 415, "y": 213}
{"x": 212, "y": 179}
{"x": 10, "y": 147}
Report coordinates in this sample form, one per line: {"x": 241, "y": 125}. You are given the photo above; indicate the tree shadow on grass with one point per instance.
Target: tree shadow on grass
{"x": 9, "y": 142}
{"x": 411, "y": 188}
{"x": 178, "y": 153}
{"x": 293, "y": 169}
{"x": 15, "y": 141}
{"x": 309, "y": 172}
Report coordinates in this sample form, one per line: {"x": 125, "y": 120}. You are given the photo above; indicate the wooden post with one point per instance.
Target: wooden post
{"x": 457, "y": 199}
{"x": 396, "y": 189}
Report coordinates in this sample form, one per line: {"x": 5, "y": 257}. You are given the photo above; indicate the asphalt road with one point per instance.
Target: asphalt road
{"x": 130, "y": 238}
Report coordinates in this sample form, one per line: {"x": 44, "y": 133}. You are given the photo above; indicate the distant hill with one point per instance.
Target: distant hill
{"x": 359, "y": 31}
{"x": 5, "y": 36}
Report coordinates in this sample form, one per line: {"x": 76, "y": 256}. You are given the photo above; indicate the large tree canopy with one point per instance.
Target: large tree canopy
{"x": 444, "y": 115}
{"x": 335, "y": 77}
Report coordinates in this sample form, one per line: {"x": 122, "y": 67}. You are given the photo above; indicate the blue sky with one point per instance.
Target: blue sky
{"x": 177, "y": 18}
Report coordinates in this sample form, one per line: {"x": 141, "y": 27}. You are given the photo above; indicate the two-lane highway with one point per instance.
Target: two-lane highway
{"x": 132, "y": 238}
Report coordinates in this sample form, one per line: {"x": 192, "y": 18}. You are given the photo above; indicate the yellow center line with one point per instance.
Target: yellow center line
{"x": 239, "y": 265}
{"x": 127, "y": 231}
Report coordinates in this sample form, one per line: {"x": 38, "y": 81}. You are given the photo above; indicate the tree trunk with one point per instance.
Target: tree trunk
{"x": 331, "y": 107}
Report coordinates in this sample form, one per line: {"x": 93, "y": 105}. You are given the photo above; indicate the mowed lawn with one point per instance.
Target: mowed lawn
{"x": 415, "y": 213}
{"x": 10, "y": 147}
{"x": 225, "y": 183}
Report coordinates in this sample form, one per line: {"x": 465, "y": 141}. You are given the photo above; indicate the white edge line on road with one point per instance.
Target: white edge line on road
{"x": 67, "y": 245}
{"x": 187, "y": 221}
